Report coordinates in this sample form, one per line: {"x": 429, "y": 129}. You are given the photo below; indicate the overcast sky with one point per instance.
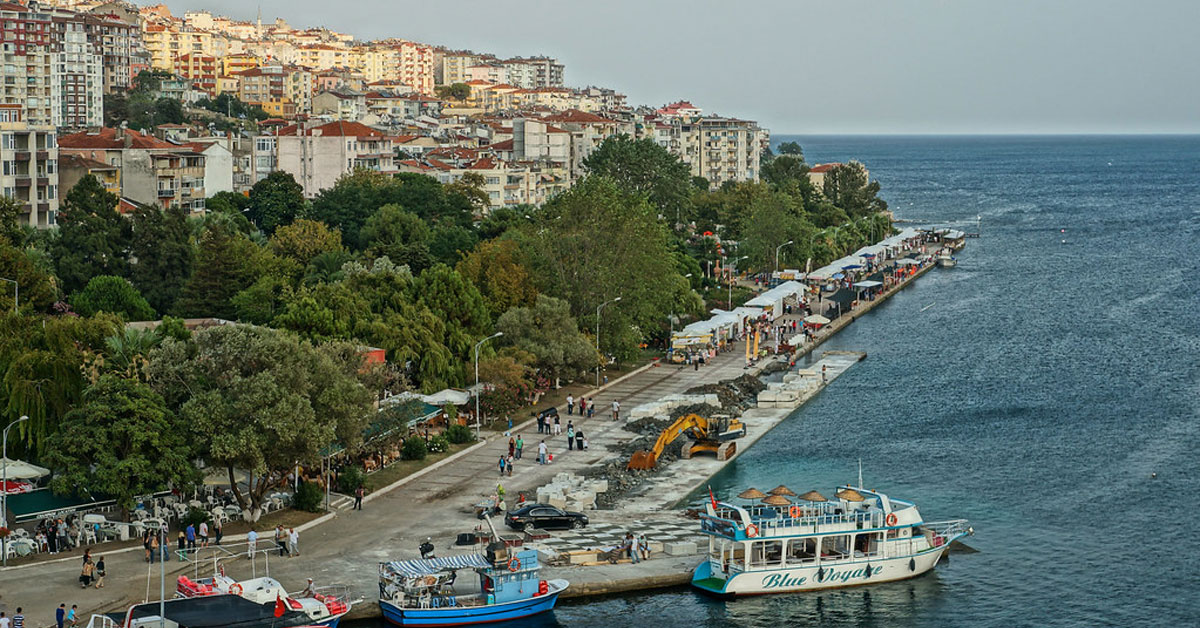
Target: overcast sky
{"x": 831, "y": 66}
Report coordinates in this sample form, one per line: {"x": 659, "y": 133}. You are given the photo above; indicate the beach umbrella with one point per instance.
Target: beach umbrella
{"x": 816, "y": 319}
{"x": 781, "y": 490}
{"x": 849, "y": 495}
{"x": 813, "y": 496}
{"x": 776, "y": 500}
{"x": 21, "y": 470}
{"x": 752, "y": 493}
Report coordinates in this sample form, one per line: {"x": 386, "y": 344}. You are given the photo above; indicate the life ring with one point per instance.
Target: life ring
{"x": 235, "y": 589}
{"x": 514, "y": 564}
{"x": 892, "y": 519}
{"x": 752, "y": 530}
{"x": 794, "y": 511}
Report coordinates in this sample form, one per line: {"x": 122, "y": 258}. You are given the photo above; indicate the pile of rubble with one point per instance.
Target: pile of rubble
{"x": 734, "y": 395}
{"x": 666, "y": 405}
{"x": 572, "y": 492}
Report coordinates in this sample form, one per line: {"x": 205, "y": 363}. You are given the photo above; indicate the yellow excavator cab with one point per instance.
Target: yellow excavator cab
{"x": 705, "y": 435}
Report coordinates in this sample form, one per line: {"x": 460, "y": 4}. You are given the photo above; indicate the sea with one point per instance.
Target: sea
{"x": 1047, "y": 389}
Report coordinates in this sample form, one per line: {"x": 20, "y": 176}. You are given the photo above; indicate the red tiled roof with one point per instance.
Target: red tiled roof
{"x": 487, "y": 163}
{"x": 505, "y": 145}
{"x": 438, "y": 164}
{"x": 109, "y": 139}
{"x": 578, "y": 117}
{"x": 79, "y": 161}
{"x": 338, "y": 128}
{"x": 824, "y": 167}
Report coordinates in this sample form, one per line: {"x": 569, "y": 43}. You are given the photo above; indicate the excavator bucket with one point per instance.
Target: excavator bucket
{"x": 641, "y": 461}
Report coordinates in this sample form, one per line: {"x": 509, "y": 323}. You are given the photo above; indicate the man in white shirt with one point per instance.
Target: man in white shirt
{"x": 542, "y": 452}
{"x": 616, "y": 410}
{"x": 251, "y": 542}
{"x": 293, "y": 542}
{"x": 5, "y": 622}
{"x": 203, "y": 534}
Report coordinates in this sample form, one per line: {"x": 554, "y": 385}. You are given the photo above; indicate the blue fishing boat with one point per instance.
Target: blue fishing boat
{"x": 506, "y": 586}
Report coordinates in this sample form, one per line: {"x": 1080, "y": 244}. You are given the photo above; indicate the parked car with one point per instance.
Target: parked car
{"x": 533, "y": 516}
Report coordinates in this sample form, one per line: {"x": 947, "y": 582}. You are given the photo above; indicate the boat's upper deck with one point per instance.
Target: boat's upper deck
{"x": 802, "y": 518}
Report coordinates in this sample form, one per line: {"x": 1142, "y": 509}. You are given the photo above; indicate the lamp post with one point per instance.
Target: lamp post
{"x": 477, "y": 345}
{"x": 598, "y": 308}
{"x": 735, "y": 261}
{"x": 16, "y": 293}
{"x": 777, "y": 253}
{"x": 4, "y": 490}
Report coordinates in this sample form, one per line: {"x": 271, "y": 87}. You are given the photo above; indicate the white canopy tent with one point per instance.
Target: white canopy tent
{"x": 771, "y": 301}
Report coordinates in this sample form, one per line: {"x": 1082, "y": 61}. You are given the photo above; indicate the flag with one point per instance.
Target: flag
{"x": 279, "y": 607}
{"x": 712, "y": 499}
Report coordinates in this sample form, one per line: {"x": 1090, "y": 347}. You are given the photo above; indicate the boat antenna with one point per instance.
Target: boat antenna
{"x": 860, "y": 482}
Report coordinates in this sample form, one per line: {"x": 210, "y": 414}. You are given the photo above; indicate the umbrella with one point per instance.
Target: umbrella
{"x": 776, "y": 500}
{"x": 849, "y": 495}
{"x": 20, "y": 470}
{"x": 782, "y": 490}
{"x": 752, "y": 493}
{"x": 816, "y": 319}
{"x": 813, "y": 496}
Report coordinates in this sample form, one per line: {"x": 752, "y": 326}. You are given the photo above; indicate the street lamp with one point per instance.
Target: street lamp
{"x": 477, "y": 345}
{"x": 4, "y": 489}
{"x": 16, "y": 293}
{"x": 598, "y": 308}
{"x": 735, "y": 261}
{"x": 777, "y": 253}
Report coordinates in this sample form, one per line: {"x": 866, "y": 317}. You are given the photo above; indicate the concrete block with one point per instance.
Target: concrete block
{"x": 599, "y": 486}
{"x": 581, "y": 557}
{"x": 557, "y": 500}
{"x": 680, "y": 548}
{"x": 656, "y": 547}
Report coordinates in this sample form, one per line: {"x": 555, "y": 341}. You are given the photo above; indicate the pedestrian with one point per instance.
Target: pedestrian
{"x": 627, "y": 544}
{"x": 203, "y": 534}
{"x": 502, "y": 462}
{"x": 541, "y": 421}
{"x": 634, "y": 554}
{"x": 644, "y": 547}
{"x": 5, "y": 622}
{"x": 18, "y": 619}
{"x": 85, "y": 577}
{"x": 281, "y": 540}
{"x": 512, "y": 446}
{"x": 358, "y": 495}
{"x": 696, "y": 364}
{"x": 582, "y": 406}
{"x": 570, "y": 436}
{"x": 191, "y": 536}
{"x": 579, "y": 440}
{"x": 542, "y": 452}
{"x": 153, "y": 545}
{"x": 557, "y": 426}
{"x": 616, "y": 409}
{"x": 570, "y": 404}
{"x": 51, "y": 539}
{"x": 100, "y": 573}
{"x": 701, "y": 358}
{"x": 591, "y": 407}
{"x": 824, "y": 375}
{"x": 509, "y": 465}
{"x": 585, "y": 443}
{"x": 251, "y": 543}
{"x": 60, "y": 615}
{"x": 72, "y": 617}
{"x": 182, "y": 540}
{"x": 520, "y": 446}
{"x": 217, "y": 531}
{"x": 293, "y": 542}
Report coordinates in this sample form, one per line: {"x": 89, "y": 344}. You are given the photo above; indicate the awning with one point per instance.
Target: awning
{"x": 449, "y": 395}
{"x": 867, "y": 284}
{"x": 816, "y": 319}
{"x": 13, "y": 487}
{"x": 21, "y": 470}
{"x": 430, "y": 566}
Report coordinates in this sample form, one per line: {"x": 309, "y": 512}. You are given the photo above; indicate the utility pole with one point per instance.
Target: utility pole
{"x": 598, "y": 308}
{"x": 477, "y": 391}
{"x": 777, "y": 253}
{"x": 4, "y": 490}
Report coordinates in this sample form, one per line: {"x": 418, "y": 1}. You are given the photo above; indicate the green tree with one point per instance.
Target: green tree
{"x": 275, "y": 201}
{"x": 784, "y": 169}
{"x": 305, "y": 239}
{"x": 454, "y": 91}
{"x": 168, "y": 111}
{"x": 92, "y": 237}
{"x": 792, "y": 149}
{"x": 644, "y": 167}
{"x": 162, "y": 253}
{"x": 470, "y": 186}
{"x": 121, "y": 442}
{"x": 399, "y": 235}
{"x": 11, "y": 227}
{"x": 36, "y": 287}
{"x": 847, "y": 187}
{"x": 497, "y": 270}
{"x": 449, "y": 243}
{"x": 326, "y": 267}
{"x": 501, "y": 219}
{"x": 263, "y": 300}
{"x": 549, "y": 333}
{"x": 226, "y": 264}
{"x": 262, "y": 400}
{"x": 105, "y": 293}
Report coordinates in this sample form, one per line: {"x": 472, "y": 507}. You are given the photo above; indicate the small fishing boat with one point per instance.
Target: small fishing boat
{"x": 322, "y": 605}
{"x": 423, "y": 592}
{"x": 810, "y": 543}
{"x": 945, "y": 258}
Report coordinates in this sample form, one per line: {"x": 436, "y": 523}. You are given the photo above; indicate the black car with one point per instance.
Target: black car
{"x": 532, "y": 516}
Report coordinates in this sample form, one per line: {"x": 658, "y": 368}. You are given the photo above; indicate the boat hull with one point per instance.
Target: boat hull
{"x": 816, "y": 578}
{"x": 465, "y": 616}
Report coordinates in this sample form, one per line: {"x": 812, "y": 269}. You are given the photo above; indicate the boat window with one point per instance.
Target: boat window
{"x": 835, "y": 547}
{"x": 766, "y": 553}
{"x": 735, "y": 555}
{"x": 867, "y": 544}
{"x": 802, "y": 551}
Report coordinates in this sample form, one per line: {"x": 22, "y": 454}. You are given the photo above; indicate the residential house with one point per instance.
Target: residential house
{"x": 153, "y": 171}
{"x": 318, "y": 155}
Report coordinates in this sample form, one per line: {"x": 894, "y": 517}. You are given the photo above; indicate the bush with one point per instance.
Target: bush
{"x": 438, "y": 445}
{"x": 350, "y": 479}
{"x": 459, "y": 434}
{"x": 194, "y": 517}
{"x": 414, "y": 448}
{"x": 309, "y": 497}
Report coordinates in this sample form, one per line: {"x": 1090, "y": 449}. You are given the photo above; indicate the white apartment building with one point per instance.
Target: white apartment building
{"x": 318, "y": 155}
{"x": 29, "y": 166}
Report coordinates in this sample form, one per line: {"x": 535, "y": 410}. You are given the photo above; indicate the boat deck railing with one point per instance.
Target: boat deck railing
{"x": 102, "y": 621}
{"x": 779, "y": 522}
{"x": 949, "y": 529}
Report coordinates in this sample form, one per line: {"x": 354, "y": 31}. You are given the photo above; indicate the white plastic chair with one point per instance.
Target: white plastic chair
{"x": 89, "y": 535}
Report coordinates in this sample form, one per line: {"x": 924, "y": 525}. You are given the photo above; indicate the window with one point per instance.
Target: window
{"x": 802, "y": 551}
{"x": 766, "y": 553}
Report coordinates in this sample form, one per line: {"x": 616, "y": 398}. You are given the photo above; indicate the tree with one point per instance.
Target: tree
{"x": 305, "y": 239}
{"x": 262, "y": 400}
{"x": 771, "y": 221}
{"x": 275, "y": 201}
{"x": 352, "y": 200}
{"x": 106, "y": 293}
{"x": 92, "y": 237}
{"x": 793, "y": 149}
{"x": 644, "y": 167}
{"x": 168, "y": 111}
{"x": 549, "y": 333}
{"x": 784, "y": 169}
{"x": 454, "y": 91}
{"x": 121, "y": 442}
{"x": 163, "y": 254}
{"x": 449, "y": 243}
{"x": 458, "y": 303}
{"x": 226, "y": 264}
{"x": 399, "y": 235}
{"x": 501, "y": 219}
{"x": 37, "y": 289}
{"x": 470, "y": 186}
{"x": 497, "y": 270}
{"x": 847, "y": 187}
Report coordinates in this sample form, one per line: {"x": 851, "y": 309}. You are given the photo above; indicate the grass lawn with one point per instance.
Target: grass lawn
{"x": 404, "y": 468}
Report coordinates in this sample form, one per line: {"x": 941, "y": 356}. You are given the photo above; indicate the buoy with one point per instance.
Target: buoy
{"x": 820, "y": 574}
{"x": 867, "y": 574}
{"x": 912, "y": 564}
{"x": 1153, "y": 475}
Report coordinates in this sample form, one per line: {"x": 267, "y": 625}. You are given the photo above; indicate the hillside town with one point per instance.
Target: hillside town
{"x": 258, "y": 97}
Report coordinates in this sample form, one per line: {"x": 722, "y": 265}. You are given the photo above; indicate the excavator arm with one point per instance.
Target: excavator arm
{"x": 700, "y": 430}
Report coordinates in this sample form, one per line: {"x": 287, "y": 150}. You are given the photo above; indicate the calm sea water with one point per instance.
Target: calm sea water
{"x": 1037, "y": 393}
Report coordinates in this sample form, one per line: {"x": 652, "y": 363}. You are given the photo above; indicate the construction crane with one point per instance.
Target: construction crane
{"x": 705, "y": 435}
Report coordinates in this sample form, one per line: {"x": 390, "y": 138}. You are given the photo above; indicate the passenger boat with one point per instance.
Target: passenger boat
{"x": 423, "y": 592}
{"x": 858, "y": 537}
{"x": 945, "y": 258}
{"x": 324, "y": 606}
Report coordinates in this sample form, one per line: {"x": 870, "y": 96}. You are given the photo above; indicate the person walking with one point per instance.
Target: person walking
{"x": 520, "y": 446}
{"x": 542, "y": 452}
{"x": 358, "y": 496}
{"x": 281, "y": 540}
{"x": 824, "y": 375}
{"x": 203, "y": 534}
{"x": 251, "y": 543}
{"x": 570, "y": 436}
{"x": 217, "y": 531}
{"x": 18, "y": 619}
{"x": 152, "y": 545}
{"x": 5, "y": 622}
{"x": 502, "y": 461}
{"x": 634, "y": 553}
{"x": 191, "y": 536}
{"x": 512, "y": 446}
{"x": 293, "y": 542}
{"x": 557, "y": 426}
{"x": 100, "y": 573}
{"x": 541, "y": 421}
{"x": 591, "y": 406}
{"x": 582, "y": 405}
{"x": 509, "y": 465}
{"x": 579, "y": 440}
{"x": 570, "y": 404}
{"x": 60, "y": 615}
{"x": 616, "y": 409}
{"x": 72, "y": 615}
{"x": 85, "y": 577}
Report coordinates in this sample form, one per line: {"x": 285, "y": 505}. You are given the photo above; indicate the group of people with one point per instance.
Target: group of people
{"x": 636, "y": 547}
{"x": 93, "y": 572}
{"x": 56, "y": 535}
{"x": 587, "y": 406}
{"x": 63, "y": 617}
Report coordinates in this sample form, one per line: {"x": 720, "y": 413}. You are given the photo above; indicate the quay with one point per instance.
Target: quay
{"x": 346, "y": 546}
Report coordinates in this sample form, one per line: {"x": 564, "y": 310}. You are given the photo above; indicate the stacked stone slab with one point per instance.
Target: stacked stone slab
{"x": 663, "y": 406}
{"x": 571, "y": 492}
{"x": 791, "y": 391}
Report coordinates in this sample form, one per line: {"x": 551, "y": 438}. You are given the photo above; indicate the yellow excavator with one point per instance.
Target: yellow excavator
{"x": 705, "y": 435}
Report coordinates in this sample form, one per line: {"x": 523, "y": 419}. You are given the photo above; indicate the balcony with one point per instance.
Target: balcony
{"x": 167, "y": 192}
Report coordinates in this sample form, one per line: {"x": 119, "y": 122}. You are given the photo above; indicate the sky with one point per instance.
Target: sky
{"x": 830, "y": 66}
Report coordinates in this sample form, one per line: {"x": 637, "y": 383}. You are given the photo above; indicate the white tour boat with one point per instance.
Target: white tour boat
{"x": 811, "y": 543}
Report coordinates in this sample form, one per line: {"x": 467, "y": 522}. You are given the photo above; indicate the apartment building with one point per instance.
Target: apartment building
{"x": 201, "y": 70}
{"x": 276, "y": 87}
{"x": 318, "y": 155}
{"x": 391, "y": 108}
{"x": 119, "y": 44}
{"x": 72, "y": 168}
{"x": 153, "y": 171}
{"x": 587, "y": 132}
{"x": 165, "y": 43}
{"x": 340, "y": 104}
{"x": 716, "y": 148}
{"x": 29, "y": 166}
{"x": 537, "y": 140}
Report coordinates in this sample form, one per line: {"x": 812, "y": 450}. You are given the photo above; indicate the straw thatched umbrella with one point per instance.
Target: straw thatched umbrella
{"x": 782, "y": 490}
{"x": 850, "y": 495}
{"x": 752, "y": 493}
{"x": 776, "y": 500}
{"x": 813, "y": 496}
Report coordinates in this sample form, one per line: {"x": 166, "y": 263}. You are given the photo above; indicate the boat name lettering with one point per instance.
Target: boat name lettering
{"x": 788, "y": 579}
